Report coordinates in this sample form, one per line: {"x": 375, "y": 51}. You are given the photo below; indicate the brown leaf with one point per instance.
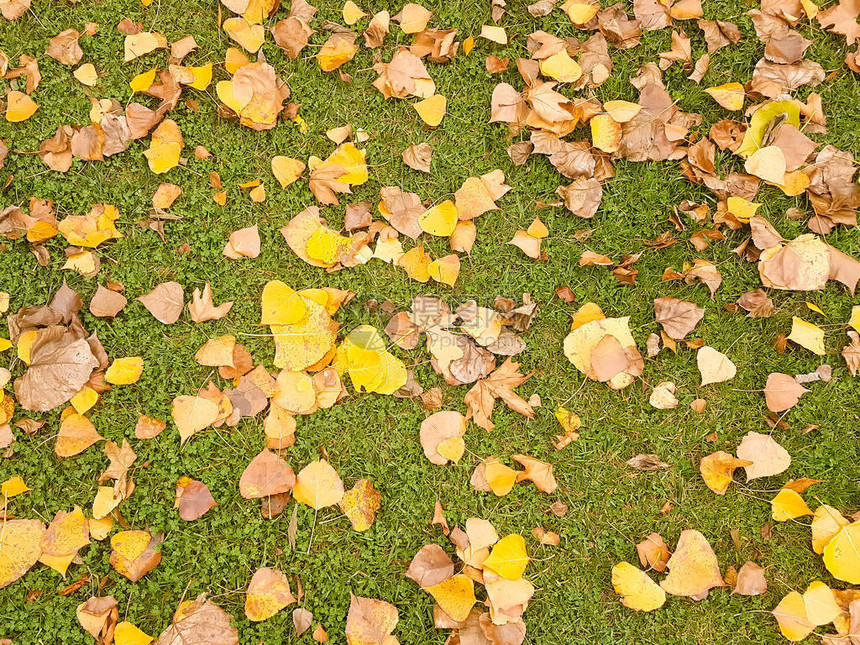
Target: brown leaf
{"x": 302, "y": 620}
{"x": 244, "y": 243}
{"x": 719, "y": 34}
{"x": 98, "y": 616}
{"x": 107, "y": 303}
{"x": 202, "y": 309}
{"x": 647, "y": 462}
{"x": 200, "y": 622}
{"x": 751, "y": 580}
{"x": 851, "y": 353}
{"x": 757, "y": 303}
{"x": 438, "y": 428}
{"x": 582, "y": 197}
{"x": 60, "y": 365}
{"x": 481, "y": 398}
{"x": 165, "y": 302}
{"x": 148, "y": 428}
{"x": 267, "y": 474}
{"x": 782, "y": 392}
{"x": 64, "y": 47}
{"x": 653, "y": 552}
{"x": 418, "y": 157}
{"x": 536, "y": 471}
{"x": 193, "y": 499}
{"x": 430, "y": 566}
{"x": 370, "y": 620}
{"x": 678, "y": 317}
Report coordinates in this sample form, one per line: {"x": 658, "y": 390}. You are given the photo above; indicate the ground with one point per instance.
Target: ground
{"x": 611, "y": 507}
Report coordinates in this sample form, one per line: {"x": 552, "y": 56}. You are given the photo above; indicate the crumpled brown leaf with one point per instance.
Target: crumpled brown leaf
{"x": 61, "y": 363}
{"x": 64, "y": 47}
{"x": 678, "y": 317}
{"x": 200, "y": 622}
{"x": 202, "y": 309}
{"x": 482, "y": 397}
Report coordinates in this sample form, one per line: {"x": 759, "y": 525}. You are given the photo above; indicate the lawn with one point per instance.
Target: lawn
{"x": 611, "y": 506}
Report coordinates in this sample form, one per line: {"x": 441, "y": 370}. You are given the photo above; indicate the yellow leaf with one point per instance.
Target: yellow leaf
{"x": 842, "y": 554}
{"x": 99, "y": 529}
{"x": 318, "y": 485}
{"x": 439, "y": 220}
{"x": 105, "y": 501}
{"x": 127, "y": 634}
{"x": 790, "y": 613}
{"x": 234, "y": 59}
{"x": 807, "y": 335}
{"x": 124, "y": 371}
{"x": 432, "y": 110}
{"x": 537, "y": 229}
{"x": 561, "y": 67}
{"x": 287, "y": 170}
{"x": 693, "y": 567}
{"x": 202, "y": 76}
{"x": 468, "y": 45}
{"x": 761, "y": 120}
{"x": 19, "y": 107}
{"x": 86, "y": 74}
{"x": 729, "y": 95}
{"x": 250, "y": 37}
{"x": 826, "y": 523}
{"x": 501, "y": 478}
{"x": 580, "y": 12}
{"x": 192, "y": 414}
{"x": 14, "y": 486}
{"x": 415, "y": 262}
{"x": 336, "y": 51}
{"x": 788, "y": 505}
{"x": 130, "y": 544}
{"x": 350, "y": 159}
{"x": 810, "y": 8}
{"x": 5, "y": 344}
{"x": 142, "y": 43}
{"x": 718, "y": 470}
{"x": 813, "y": 307}
{"x": 767, "y": 163}
{"x": 84, "y": 400}
{"x": 19, "y": 548}
{"x": 494, "y": 34}
{"x": 605, "y": 133}
{"x": 821, "y": 606}
{"x": 268, "y": 593}
{"x": 742, "y": 209}
{"x": 622, "y": 111}
{"x": 455, "y": 596}
{"x": 352, "y": 13}
{"x": 371, "y": 367}
{"x": 282, "y": 305}
{"x": 452, "y": 449}
{"x": 637, "y": 590}
{"x": 509, "y": 557}
{"x": 854, "y": 321}
{"x": 445, "y": 270}
{"x": 587, "y": 313}
{"x": 84, "y": 263}
{"x": 569, "y": 421}
{"x": 143, "y": 81}
{"x": 165, "y": 148}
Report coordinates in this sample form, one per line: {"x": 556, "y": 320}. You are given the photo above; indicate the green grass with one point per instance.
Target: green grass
{"x": 611, "y": 507}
